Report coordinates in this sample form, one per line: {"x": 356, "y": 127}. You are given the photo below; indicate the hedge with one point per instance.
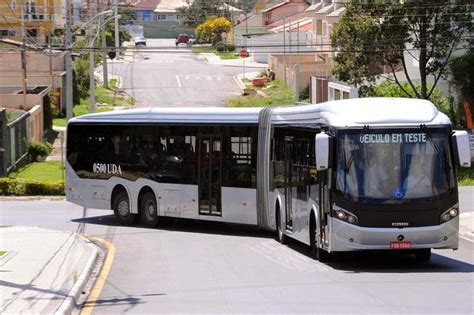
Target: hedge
{"x": 25, "y": 187}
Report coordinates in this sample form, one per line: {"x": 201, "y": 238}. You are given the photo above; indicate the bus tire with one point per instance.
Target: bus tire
{"x": 121, "y": 206}
{"x": 317, "y": 253}
{"x": 149, "y": 209}
{"x": 280, "y": 236}
{"x": 423, "y": 255}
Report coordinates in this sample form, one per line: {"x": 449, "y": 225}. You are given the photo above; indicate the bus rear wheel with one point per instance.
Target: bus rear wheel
{"x": 149, "y": 209}
{"x": 423, "y": 255}
{"x": 121, "y": 206}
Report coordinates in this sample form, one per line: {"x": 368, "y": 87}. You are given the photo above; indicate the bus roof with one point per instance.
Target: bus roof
{"x": 356, "y": 112}
{"x": 199, "y": 115}
{"x": 363, "y": 111}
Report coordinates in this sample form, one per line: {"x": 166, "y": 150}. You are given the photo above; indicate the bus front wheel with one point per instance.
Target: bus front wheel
{"x": 121, "y": 206}
{"x": 149, "y": 209}
{"x": 318, "y": 253}
{"x": 280, "y": 236}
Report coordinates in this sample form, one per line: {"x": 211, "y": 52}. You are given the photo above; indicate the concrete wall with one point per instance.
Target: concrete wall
{"x": 16, "y": 100}
{"x": 35, "y": 123}
{"x": 260, "y": 46}
{"x": 35, "y": 61}
{"x": 284, "y": 67}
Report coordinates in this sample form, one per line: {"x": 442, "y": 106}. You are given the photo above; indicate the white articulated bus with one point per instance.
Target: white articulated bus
{"x": 359, "y": 174}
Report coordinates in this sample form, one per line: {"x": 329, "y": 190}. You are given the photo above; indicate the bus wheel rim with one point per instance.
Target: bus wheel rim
{"x": 150, "y": 210}
{"x": 123, "y": 207}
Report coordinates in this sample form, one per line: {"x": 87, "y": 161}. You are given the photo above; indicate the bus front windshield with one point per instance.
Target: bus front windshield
{"x": 393, "y": 166}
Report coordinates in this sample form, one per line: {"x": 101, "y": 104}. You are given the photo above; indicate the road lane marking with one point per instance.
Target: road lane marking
{"x": 89, "y": 304}
{"x": 179, "y": 82}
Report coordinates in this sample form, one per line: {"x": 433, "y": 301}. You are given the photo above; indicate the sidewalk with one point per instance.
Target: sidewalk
{"x": 42, "y": 271}
{"x": 466, "y": 217}
{"x": 213, "y": 59}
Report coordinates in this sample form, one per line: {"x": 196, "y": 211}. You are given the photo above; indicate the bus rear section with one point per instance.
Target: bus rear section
{"x": 205, "y": 172}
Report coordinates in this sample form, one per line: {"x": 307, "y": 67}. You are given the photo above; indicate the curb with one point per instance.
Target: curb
{"x": 30, "y": 198}
{"x": 239, "y": 82}
{"x": 70, "y": 301}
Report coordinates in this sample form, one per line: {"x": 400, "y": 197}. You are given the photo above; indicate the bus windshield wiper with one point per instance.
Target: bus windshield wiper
{"x": 440, "y": 153}
{"x": 348, "y": 163}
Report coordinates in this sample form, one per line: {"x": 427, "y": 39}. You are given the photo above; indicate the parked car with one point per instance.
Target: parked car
{"x": 182, "y": 39}
{"x": 140, "y": 41}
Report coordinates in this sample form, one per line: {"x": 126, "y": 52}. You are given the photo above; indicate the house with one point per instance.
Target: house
{"x": 37, "y": 17}
{"x": 325, "y": 15}
{"x": 278, "y": 11}
{"x": 43, "y": 68}
{"x": 145, "y": 10}
{"x": 167, "y": 10}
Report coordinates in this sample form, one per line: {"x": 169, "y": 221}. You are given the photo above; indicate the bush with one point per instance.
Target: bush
{"x": 22, "y": 187}
{"x": 220, "y": 46}
{"x": 38, "y": 150}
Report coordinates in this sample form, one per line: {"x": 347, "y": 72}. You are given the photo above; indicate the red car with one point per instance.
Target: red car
{"x": 182, "y": 38}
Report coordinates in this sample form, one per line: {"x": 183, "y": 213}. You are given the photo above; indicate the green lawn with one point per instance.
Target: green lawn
{"x": 2, "y": 252}
{"x": 102, "y": 95}
{"x": 40, "y": 171}
{"x": 465, "y": 176}
{"x": 209, "y": 49}
{"x": 277, "y": 92}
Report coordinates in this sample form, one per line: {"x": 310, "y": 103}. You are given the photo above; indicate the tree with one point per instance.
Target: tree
{"x": 200, "y": 10}
{"x": 211, "y": 29}
{"x": 127, "y": 14}
{"x": 374, "y": 34}
{"x": 462, "y": 70}
{"x": 444, "y": 104}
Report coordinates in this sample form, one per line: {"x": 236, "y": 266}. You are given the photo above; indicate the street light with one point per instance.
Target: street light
{"x": 90, "y": 45}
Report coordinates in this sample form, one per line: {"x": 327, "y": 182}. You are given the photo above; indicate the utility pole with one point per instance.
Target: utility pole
{"x": 23, "y": 57}
{"x": 68, "y": 61}
{"x": 105, "y": 74}
{"x": 91, "y": 62}
{"x": 104, "y": 60}
{"x": 117, "y": 38}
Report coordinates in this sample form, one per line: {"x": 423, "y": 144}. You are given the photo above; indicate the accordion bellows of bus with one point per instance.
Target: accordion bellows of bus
{"x": 359, "y": 174}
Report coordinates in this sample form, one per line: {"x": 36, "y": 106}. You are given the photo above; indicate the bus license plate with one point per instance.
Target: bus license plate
{"x": 400, "y": 245}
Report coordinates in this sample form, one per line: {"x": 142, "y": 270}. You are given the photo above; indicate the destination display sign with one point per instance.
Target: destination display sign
{"x": 393, "y": 138}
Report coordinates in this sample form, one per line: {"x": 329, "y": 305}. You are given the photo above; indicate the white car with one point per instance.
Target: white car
{"x": 140, "y": 41}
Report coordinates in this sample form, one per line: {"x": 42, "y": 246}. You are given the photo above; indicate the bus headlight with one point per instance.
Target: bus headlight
{"x": 344, "y": 215}
{"x": 449, "y": 214}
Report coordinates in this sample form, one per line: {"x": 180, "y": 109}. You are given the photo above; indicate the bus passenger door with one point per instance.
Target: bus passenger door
{"x": 209, "y": 175}
{"x": 324, "y": 206}
{"x": 289, "y": 183}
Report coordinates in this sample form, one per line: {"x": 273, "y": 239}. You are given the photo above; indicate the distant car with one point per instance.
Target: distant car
{"x": 182, "y": 39}
{"x": 140, "y": 41}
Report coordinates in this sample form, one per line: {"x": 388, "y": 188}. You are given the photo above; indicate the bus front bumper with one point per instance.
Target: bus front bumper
{"x": 348, "y": 237}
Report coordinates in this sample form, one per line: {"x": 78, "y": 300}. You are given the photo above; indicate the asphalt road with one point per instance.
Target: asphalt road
{"x": 161, "y": 75}
{"x": 189, "y": 267}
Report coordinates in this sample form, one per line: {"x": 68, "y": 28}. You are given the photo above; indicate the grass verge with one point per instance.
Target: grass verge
{"x": 47, "y": 171}
{"x": 2, "y": 252}
{"x": 209, "y": 49}
{"x": 465, "y": 176}
{"x": 276, "y": 91}
{"x": 106, "y": 100}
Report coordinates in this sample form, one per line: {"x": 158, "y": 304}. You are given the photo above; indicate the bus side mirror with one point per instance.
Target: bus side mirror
{"x": 323, "y": 148}
{"x": 461, "y": 148}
